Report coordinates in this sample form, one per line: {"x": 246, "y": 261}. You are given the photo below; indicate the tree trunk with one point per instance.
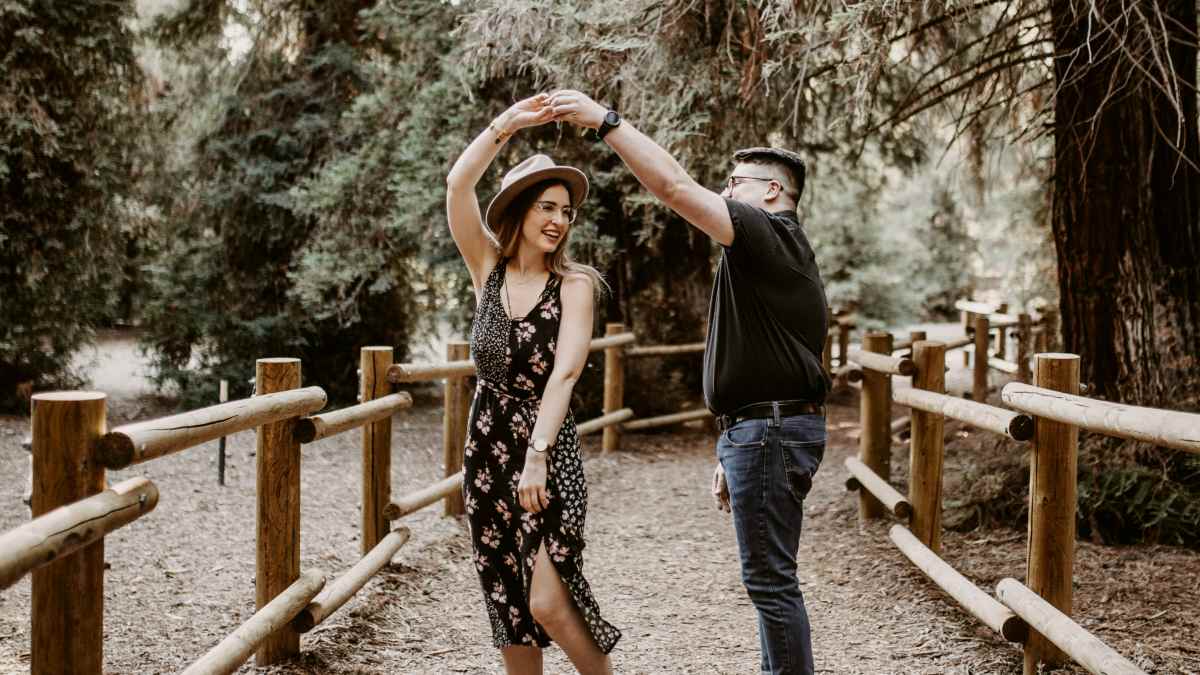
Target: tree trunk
{"x": 1125, "y": 202}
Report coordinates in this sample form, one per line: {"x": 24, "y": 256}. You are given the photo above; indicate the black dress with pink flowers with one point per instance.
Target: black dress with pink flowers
{"x": 513, "y": 359}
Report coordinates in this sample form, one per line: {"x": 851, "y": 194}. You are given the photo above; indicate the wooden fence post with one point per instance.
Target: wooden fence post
{"x": 1052, "y": 493}
{"x": 614, "y": 386}
{"x": 277, "y": 563}
{"x": 68, "y": 594}
{"x": 376, "y": 447}
{"x": 454, "y": 423}
{"x": 979, "y": 386}
{"x": 913, "y": 338}
{"x": 1024, "y": 343}
{"x": 926, "y": 448}
{"x": 968, "y": 322}
{"x": 222, "y": 397}
{"x": 874, "y": 444}
{"x": 843, "y": 342}
{"x": 1002, "y": 335}
{"x": 827, "y": 355}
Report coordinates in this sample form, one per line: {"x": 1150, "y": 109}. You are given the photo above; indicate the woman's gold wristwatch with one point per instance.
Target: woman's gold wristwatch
{"x": 539, "y": 445}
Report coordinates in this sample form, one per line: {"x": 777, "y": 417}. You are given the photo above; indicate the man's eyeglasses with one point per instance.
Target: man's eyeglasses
{"x": 550, "y": 208}
{"x": 734, "y": 180}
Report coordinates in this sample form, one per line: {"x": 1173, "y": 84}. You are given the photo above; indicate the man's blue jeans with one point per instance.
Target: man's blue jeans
{"x": 769, "y": 465}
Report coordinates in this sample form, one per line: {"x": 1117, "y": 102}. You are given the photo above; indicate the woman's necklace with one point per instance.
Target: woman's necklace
{"x": 520, "y": 284}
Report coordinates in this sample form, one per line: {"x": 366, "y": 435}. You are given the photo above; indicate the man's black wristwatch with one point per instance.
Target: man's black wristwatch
{"x": 611, "y": 121}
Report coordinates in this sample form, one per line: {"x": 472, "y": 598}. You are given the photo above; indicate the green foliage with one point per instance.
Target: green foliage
{"x": 70, "y": 142}
{"x": 1127, "y": 492}
{"x": 240, "y": 245}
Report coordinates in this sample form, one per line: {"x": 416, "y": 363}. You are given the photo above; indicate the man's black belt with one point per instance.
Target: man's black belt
{"x": 768, "y": 409}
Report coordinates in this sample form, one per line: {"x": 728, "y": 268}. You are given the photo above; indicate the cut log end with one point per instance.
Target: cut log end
{"x": 395, "y": 374}
{"x": 392, "y": 512}
{"x": 1021, "y": 428}
{"x": 115, "y": 451}
{"x": 903, "y": 510}
{"x": 852, "y": 484}
{"x": 304, "y": 621}
{"x": 906, "y": 367}
{"x": 1014, "y": 629}
{"x": 305, "y": 430}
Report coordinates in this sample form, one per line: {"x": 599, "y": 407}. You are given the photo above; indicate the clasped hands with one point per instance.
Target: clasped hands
{"x": 564, "y": 105}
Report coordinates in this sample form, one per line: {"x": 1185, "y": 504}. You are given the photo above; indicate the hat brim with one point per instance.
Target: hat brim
{"x": 574, "y": 178}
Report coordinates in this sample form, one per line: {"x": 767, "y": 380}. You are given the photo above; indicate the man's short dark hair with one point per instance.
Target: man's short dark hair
{"x": 785, "y": 159}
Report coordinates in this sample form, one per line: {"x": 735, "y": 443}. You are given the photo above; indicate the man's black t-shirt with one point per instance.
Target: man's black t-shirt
{"x": 767, "y": 318}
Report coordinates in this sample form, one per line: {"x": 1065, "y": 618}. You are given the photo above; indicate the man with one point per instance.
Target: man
{"x": 762, "y": 373}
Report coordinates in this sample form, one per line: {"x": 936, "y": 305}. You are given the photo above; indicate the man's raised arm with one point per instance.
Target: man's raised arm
{"x": 653, "y": 166}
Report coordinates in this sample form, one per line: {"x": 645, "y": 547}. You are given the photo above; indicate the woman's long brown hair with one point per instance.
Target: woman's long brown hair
{"x": 508, "y": 236}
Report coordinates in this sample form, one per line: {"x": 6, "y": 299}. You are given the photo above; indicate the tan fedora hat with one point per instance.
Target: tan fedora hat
{"x": 529, "y": 172}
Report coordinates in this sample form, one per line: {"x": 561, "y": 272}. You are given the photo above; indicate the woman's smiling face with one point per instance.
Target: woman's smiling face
{"x": 548, "y": 220}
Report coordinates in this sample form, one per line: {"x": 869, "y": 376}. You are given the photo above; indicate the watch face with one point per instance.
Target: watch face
{"x": 612, "y": 118}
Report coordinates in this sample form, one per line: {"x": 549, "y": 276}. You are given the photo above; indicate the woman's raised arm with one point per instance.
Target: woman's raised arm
{"x": 462, "y": 205}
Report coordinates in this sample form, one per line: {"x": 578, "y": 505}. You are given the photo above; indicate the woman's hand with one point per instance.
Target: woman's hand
{"x": 529, "y": 112}
{"x": 531, "y": 491}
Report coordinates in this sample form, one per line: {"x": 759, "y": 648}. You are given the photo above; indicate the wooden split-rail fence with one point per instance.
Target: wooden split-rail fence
{"x": 63, "y": 546}
{"x": 74, "y": 510}
{"x": 1048, "y": 413}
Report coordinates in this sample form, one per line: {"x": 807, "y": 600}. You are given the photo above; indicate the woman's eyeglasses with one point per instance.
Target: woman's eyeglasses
{"x": 550, "y": 208}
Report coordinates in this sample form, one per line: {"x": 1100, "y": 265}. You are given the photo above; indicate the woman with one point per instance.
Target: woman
{"x": 523, "y": 481}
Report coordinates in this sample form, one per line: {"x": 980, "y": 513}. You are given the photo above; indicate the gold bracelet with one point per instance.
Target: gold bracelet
{"x": 501, "y": 135}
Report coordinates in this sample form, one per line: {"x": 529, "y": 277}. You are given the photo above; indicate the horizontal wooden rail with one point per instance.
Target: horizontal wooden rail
{"x": 1003, "y": 366}
{"x": 862, "y": 476}
{"x": 418, "y": 500}
{"x": 975, "y": 307}
{"x": 1015, "y": 425}
{"x": 1167, "y": 428}
{"x": 980, "y": 605}
{"x": 233, "y": 651}
{"x": 344, "y": 587}
{"x": 310, "y": 429}
{"x": 884, "y": 363}
{"x": 666, "y": 420}
{"x": 959, "y": 343}
{"x": 143, "y": 441}
{"x": 1087, "y": 649}
{"x": 401, "y": 373}
{"x": 612, "y": 341}
{"x": 598, "y": 424}
{"x": 666, "y": 350}
{"x": 850, "y": 372}
{"x": 67, "y": 529}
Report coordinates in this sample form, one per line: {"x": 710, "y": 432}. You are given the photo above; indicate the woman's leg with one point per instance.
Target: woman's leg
{"x": 521, "y": 660}
{"x": 552, "y": 606}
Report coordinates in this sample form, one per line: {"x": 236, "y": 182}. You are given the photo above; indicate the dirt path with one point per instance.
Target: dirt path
{"x": 661, "y": 560}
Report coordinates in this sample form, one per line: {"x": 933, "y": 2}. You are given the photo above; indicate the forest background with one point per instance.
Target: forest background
{"x": 250, "y": 178}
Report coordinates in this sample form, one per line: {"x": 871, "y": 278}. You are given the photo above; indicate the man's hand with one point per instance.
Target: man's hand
{"x": 720, "y": 489}
{"x": 577, "y": 108}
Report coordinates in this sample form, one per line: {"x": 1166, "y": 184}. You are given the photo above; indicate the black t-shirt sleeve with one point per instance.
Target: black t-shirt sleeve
{"x": 760, "y": 242}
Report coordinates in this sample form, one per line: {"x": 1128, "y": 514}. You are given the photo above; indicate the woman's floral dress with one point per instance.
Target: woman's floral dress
{"x": 513, "y": 359}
